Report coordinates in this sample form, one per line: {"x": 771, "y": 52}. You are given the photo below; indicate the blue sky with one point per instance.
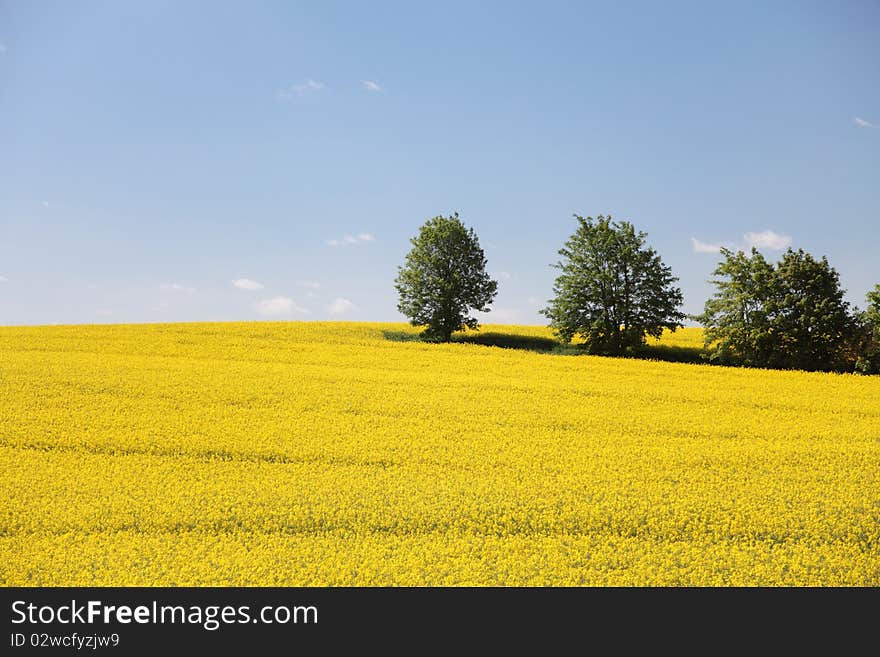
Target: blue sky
{"x": 169, "y": 161}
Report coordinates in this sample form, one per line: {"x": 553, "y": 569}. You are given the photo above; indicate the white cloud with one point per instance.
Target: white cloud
{"x": 2, "y": 48}
{"x": 246, "y": 284}
{"x": 303, "y": 89}
{"x": 370, "y": 85}
{"x": 503, "y": 275}
{"x": 3, "y": 279}
{"x": 862, "y": 123}
{"x": 279, "y": 306}
{"x": 103, "y": 312}
{"x": 313, "y": 285}
{"x": 309, "y": 85}
{"x": 703, "y": 247}
{"x": 176, "y": 287}
{"x": 352, "y": 239}
{"x": 340, "y": 306}
{"x": 767, "y": 239}
{"x": 45, "y": 204}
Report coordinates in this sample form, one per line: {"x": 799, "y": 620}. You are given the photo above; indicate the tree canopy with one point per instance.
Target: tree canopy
{"x": 867, "y": 342}
{"x": 791, "y": 315}
{"x": 614, "y": 290}
{"x": 444, "y": 278}
{"x": 736, "y": 318}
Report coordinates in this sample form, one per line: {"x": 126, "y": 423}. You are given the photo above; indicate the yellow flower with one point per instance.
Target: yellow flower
{"x": 258, "y": 454}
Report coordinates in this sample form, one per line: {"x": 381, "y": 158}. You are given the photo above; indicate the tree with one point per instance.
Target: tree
{"x": 810, "y": 320}
{"x": 444, "y": 278}
{"x": 613, "y": 290}
{"x": 867, "y": 343}
{"x": 873, "y": 311}
{"x": 790, "y": 316}
{"x": 736, "y": 319}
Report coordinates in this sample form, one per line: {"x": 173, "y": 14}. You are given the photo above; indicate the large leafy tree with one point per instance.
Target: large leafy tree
{"x": 444, "y": 278}
{"x": 867, "y": 342}
{"x": 792, "y": 315}
{"x": 614, "y": 290}
{"x": 736, "y": 319}
{"x": 810, "y": 319}
{"x": 873, "y": 311}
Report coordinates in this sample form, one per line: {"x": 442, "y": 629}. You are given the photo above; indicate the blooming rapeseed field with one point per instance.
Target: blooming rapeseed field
{"x": 343, "y": 454}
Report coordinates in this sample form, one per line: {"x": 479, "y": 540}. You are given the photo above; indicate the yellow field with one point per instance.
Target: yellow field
{"x": 327, "y": 453}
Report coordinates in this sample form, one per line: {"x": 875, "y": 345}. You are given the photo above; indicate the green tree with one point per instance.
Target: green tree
{"x": 810, "y": 320}
{"x": 872, "y": 314}
{"x": 613, "y": 290}
{"x": 736, "y": 319}
{"x": 867, "y": 344}
{"x": 444, "y": 278}
{"x": 791, "y": 315}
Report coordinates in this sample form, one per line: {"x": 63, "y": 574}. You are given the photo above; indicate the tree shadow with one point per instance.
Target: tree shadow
{"x": 492, "y": 339}
{"x": 401, "y": 336}
{"x": 549, "y": 345}
{"x": 512, "y": 341}
{"x": 672, "y": 354}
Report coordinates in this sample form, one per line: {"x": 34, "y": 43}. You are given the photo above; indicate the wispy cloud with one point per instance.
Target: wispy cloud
{"x": 703, "y": 247}
{"x": 312, "y": 285}
{"x": 278, "y": 306}
{"x": 352, "y": 239}
{"x": 303, "y": 89}
{"x": 103, "y": 312}
{"x": 503, "y": 275}
{"x": 45, "y": 204}
{"x": 767, "y": 239}
{"x": 308, "y": 86}
{"x": 246, "y": 284}
{"x": 340, "y": 306}
{"x": 2, "y": 48}
{"x": 862, "y": 123}
{"x": 3, "y": 279}
{"x": 177, "y": 288}
{"x": 371, "y": 85}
